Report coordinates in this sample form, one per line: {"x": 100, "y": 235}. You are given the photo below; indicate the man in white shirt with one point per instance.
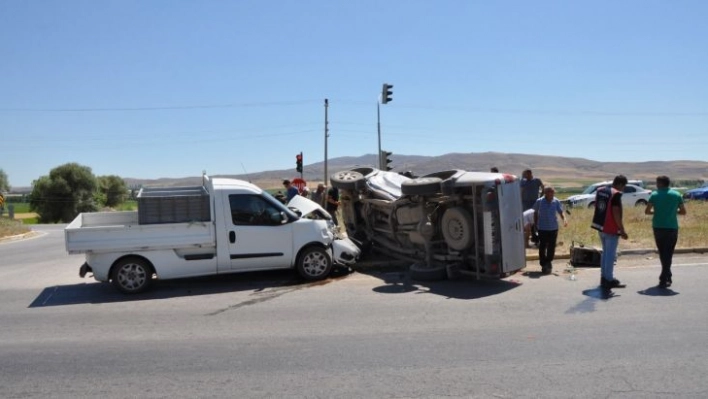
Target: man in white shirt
{"x": 528, "y": 219}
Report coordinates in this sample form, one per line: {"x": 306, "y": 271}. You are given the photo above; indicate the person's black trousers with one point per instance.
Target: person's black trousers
{"x": 666, "y": 243}
{"x": 547, "y": 247}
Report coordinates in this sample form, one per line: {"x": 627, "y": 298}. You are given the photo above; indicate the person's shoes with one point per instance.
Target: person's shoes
{"x": 616, "y": 284}
{"x": 604, "y": 283}
{"x": 662, "y": 284}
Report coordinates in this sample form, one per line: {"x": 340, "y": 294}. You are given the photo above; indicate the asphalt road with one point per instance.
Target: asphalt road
{"x": 356, "y": 335}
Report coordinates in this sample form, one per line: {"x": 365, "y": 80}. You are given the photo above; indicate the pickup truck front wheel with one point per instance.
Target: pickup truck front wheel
{"x": 314, "y": 263}
{"x": 131, "y": 275}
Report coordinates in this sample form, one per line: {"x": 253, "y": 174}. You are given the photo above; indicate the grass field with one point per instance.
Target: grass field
{"x": 693, "y": 228}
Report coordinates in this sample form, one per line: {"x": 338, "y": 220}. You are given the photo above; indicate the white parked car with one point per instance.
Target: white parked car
{"x": 633, "y": 195}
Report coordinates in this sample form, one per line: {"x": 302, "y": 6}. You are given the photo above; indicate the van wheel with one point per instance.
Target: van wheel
{"x": 422, "y": 186}
{"x": 131, "y": 275}
{"x": 420, "y": 272}
{"x": 348, "y": 180}
{"x": 591, "y": 205}
{"x": 641, "y": 202}
{"x": 457, "y": 228}
{"x": 314, "y": 263}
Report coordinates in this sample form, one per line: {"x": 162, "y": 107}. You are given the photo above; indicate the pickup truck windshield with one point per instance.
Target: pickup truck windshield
{"x": 258, "y": 210}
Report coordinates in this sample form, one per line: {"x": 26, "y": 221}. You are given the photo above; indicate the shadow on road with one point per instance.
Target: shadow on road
{"x": 97, "y": 293}
{"x": 658, "y": 291}
{"x": 462, "y": 288}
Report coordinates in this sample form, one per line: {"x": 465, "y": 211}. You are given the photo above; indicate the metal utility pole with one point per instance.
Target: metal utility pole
{"x": 378, "y": 127}
{"x": 326, "y": 133}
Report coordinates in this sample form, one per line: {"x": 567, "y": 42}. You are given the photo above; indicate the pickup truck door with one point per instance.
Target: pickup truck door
{"x": 257, "y": 238}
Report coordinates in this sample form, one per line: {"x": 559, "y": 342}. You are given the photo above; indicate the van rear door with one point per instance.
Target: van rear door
{"x": 511, "y": 226}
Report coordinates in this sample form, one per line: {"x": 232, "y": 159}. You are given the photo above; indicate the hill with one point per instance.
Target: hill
{"x": 559, "y": 170}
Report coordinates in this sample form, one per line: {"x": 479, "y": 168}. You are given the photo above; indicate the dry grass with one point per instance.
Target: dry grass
{"x": 693, "y": 228}
{"x": 9, "y": 227}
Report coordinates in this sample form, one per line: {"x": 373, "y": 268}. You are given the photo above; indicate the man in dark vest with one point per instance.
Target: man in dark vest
{"x": 608, "y": 221}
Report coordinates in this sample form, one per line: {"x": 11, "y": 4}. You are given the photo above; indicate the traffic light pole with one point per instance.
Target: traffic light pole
{"x": 326, "y": 132}
{"x": 378, "y": 127}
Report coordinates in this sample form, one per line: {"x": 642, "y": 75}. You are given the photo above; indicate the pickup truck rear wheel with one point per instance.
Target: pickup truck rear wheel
{"x": 131, "y": 275}
{"x": 314, "y": 263}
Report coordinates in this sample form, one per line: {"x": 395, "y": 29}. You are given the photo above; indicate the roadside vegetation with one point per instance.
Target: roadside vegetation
{"x": 10, "y": 227}
{"x": 693, "y": 228}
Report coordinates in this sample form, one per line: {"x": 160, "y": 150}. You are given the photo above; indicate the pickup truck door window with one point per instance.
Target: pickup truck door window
{"x": 257, "y": 236}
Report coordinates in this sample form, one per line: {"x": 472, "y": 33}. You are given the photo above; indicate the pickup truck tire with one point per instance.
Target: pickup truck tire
{"x": 314, "y": 263}
{"x": 131, "y": 275}
{"x": 422, "y": 186}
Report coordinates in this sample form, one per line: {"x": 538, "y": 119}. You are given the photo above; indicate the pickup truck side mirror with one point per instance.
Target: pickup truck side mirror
{"x": 281, "y": 218}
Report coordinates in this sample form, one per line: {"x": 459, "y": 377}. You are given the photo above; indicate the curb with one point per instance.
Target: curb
{"x": 392, "y": 265}
{"x": 19, "y": 236}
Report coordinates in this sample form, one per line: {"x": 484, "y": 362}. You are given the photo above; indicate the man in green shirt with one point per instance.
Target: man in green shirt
{"x": 665, "y": 204}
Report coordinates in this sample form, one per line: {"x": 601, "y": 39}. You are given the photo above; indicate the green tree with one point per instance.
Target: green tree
{"x": 67, "y": 191}
{"x": 112, "y": 190}
{"x": 4, "y": 182}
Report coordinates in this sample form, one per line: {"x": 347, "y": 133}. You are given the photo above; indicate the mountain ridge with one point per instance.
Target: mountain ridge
{"x": 546, "y": 167}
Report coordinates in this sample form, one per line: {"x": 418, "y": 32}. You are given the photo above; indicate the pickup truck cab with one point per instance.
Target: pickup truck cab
{"x": 243, "y": 228}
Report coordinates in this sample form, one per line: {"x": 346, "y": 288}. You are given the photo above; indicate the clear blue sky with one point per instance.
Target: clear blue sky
{"x": 152, "y": 89}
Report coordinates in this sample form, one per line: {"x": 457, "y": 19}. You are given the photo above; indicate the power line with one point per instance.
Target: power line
{"x": 162, "y": 108}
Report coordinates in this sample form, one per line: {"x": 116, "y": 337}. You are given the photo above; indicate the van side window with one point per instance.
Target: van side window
{"x": 252, "y": 210}
{"x": 629, "y": 189}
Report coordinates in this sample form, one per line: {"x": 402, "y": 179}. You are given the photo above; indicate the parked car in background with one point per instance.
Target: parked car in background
{"x": 700, "y": 193}
{"x": 633, "y": 195}
{"x": 445, "y": 223}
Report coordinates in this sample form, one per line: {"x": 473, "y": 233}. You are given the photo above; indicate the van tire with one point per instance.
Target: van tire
{"x": 641, "y": 202}
{"x": 457, "y": 228}
{"x": 348, "y": 180}
{"x": 132, "y": 275}
{"x": 314, "y": 263}
{"x": 420, "y": 272}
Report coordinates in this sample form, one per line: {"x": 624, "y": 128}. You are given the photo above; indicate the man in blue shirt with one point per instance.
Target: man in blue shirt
{"x": 545, "y": 210}
{"x": 290, "y": 191}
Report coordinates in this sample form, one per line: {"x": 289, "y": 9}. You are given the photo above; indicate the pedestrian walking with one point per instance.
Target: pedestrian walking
{"x": 665, "y": 204}
{"x": 607, "y": 219}
{"x": 545, "y": 210}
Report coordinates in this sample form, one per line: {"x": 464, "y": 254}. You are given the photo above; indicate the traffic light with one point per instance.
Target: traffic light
{"x": 384, "y": 160}
{"x": 298, "y": 162}
{"x": 386, "y": 93}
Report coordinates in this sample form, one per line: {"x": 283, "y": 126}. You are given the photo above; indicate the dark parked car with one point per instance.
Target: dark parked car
{"x": 700, "y": 193}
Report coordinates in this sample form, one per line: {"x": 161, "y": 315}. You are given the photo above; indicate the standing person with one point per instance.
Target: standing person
{"x": 528, "y": 217}
{"x": 608, "y": 221}
{"x": 333, "y": 204}
{"x": 290, "y": 190}
{"x": 665, "y": 204}
{"x": 545, "y": 210}
{"x": 318, "y": 195}
{"x": 531, "y": 189}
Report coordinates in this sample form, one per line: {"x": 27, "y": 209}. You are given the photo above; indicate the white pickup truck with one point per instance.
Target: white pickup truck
{"x": 233, "y": 226}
